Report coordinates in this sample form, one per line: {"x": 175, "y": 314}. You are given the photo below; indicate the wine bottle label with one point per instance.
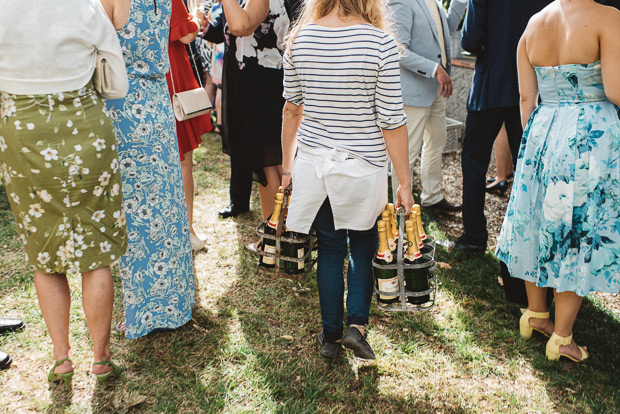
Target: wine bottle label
{"x": 420, "y": 245}
{"x": 387, "y": 256}
{"x": 272, "y": 224}
{"x": 391, "y": 244}
{"x": 388, "y": 285}
{"x": 412, "y": 257}
{"x": 300, "y": 255}
{"x": 269, "y": 260}
{"x": 423, "y": 236}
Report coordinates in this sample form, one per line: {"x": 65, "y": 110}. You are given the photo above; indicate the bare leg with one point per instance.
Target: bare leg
{"x": 218, "y": 107}
{"x": 55, "y": 301}
{"x": 98, "y": 299}
{"x": 267, "y": 193}
{"x": 209, "y": 87}
{"x": 503, "y": 159}
{"x": 567, "y": 306}
{"x": 188, "y": 185}
{"x": 537, "y": 302}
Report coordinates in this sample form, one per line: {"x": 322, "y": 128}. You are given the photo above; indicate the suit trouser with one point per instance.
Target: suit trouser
{"x": 426, "y": 126}
{"x": 481, "y": 129}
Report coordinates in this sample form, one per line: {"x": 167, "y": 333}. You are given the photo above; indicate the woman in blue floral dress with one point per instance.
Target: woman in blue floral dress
{"x": 562, "y": 227}
{"x": 157, "y": 270}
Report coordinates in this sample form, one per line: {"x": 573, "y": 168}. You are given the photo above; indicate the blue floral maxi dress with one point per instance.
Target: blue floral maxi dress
{"x": 157, "y": 270}
{"x": 562, "y": 226}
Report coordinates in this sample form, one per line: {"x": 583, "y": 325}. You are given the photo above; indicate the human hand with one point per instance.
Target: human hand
{"x": 445, "y": 83}
{"x": 404, "y": 199}
{"x": 287, "y": 180}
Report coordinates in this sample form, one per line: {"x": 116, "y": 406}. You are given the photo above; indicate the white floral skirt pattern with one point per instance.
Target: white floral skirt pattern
{"x": 60, "y": 166}
{"x": 157, "y": 270}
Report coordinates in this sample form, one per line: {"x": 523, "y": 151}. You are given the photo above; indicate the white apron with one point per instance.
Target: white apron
{"x": 357, "y": 190}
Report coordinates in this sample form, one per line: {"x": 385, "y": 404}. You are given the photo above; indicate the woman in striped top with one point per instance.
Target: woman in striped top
{"x": 343, "y": 111}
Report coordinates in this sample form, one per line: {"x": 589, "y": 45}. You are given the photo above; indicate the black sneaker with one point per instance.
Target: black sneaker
{"x": 329, "y": 350}
{"x": 355, "y": 341}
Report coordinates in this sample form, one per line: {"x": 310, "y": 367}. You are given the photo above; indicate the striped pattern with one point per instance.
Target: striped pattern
{"x": 348, "y": 80}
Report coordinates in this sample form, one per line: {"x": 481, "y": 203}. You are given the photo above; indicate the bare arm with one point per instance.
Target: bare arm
{"x": 189, "y": 38}
{"x": 528, "y": 85}
{"x": 398, "y": 148}
{"x": 243, "y": 21}
{"x": 118, "y": 11}
{"x": 610, "y": 56}
{"x": 291, "y": 120}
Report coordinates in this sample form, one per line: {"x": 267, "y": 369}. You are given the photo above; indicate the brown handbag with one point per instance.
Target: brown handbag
{"x": 192, "y": 103}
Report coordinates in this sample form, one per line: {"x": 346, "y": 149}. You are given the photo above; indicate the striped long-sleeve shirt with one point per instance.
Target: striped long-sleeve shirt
{"x": 348, "y": 79}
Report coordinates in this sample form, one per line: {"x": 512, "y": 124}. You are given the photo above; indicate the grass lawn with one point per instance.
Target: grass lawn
{"x": 237, "y": 355}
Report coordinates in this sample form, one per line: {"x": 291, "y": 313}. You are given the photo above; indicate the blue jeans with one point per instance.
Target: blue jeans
{"x": 330, "y": 276}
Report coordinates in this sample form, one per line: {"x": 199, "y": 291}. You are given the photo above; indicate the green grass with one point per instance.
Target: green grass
{"x": 235, "y": 356}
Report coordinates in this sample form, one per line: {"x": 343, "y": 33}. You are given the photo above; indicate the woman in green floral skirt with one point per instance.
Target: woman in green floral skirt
{"x": 59, "y": 163}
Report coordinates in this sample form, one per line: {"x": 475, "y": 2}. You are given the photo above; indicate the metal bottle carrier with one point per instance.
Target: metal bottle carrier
{"x": 402, "y": 305}
{"x": 277, "y": 271}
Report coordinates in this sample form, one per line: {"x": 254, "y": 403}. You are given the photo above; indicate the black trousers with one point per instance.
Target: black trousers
{"x": 240, "y": 181}
{"x": 481, "y": 129}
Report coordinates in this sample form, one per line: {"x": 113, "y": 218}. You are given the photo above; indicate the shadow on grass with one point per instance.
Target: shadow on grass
{"x": 490, "y": 341}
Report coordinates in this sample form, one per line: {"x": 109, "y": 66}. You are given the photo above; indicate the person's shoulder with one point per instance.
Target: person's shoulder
{"x": 609, "y": 13}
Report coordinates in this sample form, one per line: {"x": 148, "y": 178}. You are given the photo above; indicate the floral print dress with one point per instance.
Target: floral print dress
{"x": 562, "y": 226}
{"x": 157, "y": 271}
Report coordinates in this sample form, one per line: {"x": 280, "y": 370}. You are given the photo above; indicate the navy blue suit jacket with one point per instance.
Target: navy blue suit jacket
{"x": 492, "y": 31}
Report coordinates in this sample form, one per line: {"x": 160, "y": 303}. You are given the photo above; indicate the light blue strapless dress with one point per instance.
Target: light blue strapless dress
{"x": 562, "y": 226}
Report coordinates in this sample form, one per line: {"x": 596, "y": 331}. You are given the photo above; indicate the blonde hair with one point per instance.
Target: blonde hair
{"x": 371, "y": 11}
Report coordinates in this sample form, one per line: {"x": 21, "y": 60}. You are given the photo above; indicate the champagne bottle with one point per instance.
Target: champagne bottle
{"x": 416, "y": 280}
{"x": 294, "y": 250}
{"x": 390, "y": 208}
{"x": 269, "y": 245}
{"x": 385, "y": 216}
{"x": 413, "y": 218}
{"x": 386, "y": 279}
{"x": 418, "y": 211}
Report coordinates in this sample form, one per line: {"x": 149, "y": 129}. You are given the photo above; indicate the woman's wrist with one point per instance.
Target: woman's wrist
{"x": 286, "y": 172}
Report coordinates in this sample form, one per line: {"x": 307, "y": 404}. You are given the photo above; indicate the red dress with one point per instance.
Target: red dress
{"x": 181, "y": 24}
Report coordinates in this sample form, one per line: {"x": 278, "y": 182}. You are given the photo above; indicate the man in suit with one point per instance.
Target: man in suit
{"x": 491, "y": 31}
{"x": 424, "y": 29}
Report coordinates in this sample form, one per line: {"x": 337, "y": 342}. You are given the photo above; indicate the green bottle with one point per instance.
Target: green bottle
{"x": 416, "y": 280}
{"x": 386, "y": 279}
{"x": 269, "y": 245}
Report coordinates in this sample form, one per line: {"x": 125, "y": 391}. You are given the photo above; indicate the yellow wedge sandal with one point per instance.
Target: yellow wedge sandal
{"x": 553, "y": 348}
{"x": 524, "y": 322}
{"x": 66, "y": 377}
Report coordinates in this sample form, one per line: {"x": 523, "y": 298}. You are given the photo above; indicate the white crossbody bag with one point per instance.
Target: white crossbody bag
{"x": 192, "y": 103}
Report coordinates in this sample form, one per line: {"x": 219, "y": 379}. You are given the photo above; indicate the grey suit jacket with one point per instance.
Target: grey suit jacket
{"x": 415, "y": 30}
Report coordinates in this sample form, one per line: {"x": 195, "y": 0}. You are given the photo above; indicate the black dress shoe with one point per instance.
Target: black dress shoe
{"x": 232, "y": 211}
{"x": 462, "y": 245}
{"x": 329, "y": 350}
{"x": 445, "y": 205}
{"x": 10, "y": 324}
{"x": 5, "y": 360}
{"x": 499, "y": 187}
{"x": 355, "y": 341}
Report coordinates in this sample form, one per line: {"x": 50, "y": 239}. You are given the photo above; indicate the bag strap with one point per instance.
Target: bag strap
{"x": 191, "y": 54}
